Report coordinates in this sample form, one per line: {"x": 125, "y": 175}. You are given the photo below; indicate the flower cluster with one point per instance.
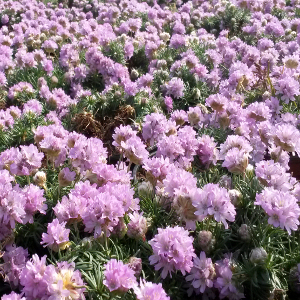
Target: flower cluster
{"x": 191, "y": 105}
{"x": 40, "y": 280}
{"x": 173, "y": 250}
{"x": 18, "y": 205}
{"x": 215, "y": 201}
{"x": 282, "y": 208}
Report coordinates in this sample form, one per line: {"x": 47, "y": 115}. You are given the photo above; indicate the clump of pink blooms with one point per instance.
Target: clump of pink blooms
{"x": 39, "y": 280}
{"x": 118, "y": 276}
{"x": 281, "y": 207}
{"x": 175, "y": 153}
{"x": 173, "y": 250}
{"x": 57, "y": 236}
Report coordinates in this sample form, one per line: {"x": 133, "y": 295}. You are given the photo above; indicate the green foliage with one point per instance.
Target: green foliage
{"x": 138, "y": 61}
{"x": 90, "y": 257}
{"x": 21, "y": 133}
{"x": 199, "y": 50}
{"x": 233, "y": 19}
{"x": 115, "y": 51}
{"x": 280, "y": 14}
{"x": 160, "y": 213}
{"x": 95, "y": 83}
{"x": 292, "y": 107}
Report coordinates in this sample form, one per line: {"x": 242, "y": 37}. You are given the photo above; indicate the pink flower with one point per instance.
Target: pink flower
{"x": 173, "y": 250}
{"x": 150, "y": 291}
{"x": 118, "y": 276}
{"x": 57, "y": 236}
{"x": 281, "y": 207}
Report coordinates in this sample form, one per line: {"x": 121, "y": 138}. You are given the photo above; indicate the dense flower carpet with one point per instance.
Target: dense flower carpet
{"x": 149, "y": 150}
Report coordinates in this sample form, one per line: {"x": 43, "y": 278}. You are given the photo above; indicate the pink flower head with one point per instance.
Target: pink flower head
{"x": 118, "y": 276}
{"x": 33, "y": 106}
{"x": 175, "y": 87}
{"x": 138, "y": 226}
{"x": 13, "y": 296}
{"x": 287, "y": 137}
{"x": 281, "y": 207}
{"x": 150, "y": 291}
{"x": 57, "y": 236}
{"x": 28, "y": 161}
{"x": 14, "y": 261}
{"x": 214, "y": 200}
{"x": 202, "y": 273}
{"x": 173, "y": 250}
{"x": 169, "y": 103}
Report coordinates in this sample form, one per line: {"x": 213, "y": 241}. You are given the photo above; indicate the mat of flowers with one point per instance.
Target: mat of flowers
{"x": 148, "y": 150}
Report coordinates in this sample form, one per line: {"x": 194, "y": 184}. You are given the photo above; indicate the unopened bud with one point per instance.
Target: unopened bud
{"x": 235, "y": 196}
{"x": 164, "y": 36}
{"x": 161, "y": 64}
{"x": 121, "y": 229}
{"x": 225, "y": 181}
{"x": 266, "y": 95}
{"x": 196, "y": 93}
{"x": 87, "y": 242}
{"x": 40, "y": 178}
{"x": 258, "y": 255}
{"x": 54, "y": 80}
{"x": 134, "y": 74}
{"x": 250, "y": 170}
{"x": 145, "y": 189}
{"x": 41, "y": 82}
{"x": 135, "y": 264}
{"x": 138, "y": 226}
{"x": 205, "y": 240}
{"x": 244, "y": 233}
{"x": 65, "y": 177}
{"x": 144, "y": 101}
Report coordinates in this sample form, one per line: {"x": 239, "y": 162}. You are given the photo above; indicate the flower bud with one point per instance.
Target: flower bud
{"x": 225, "y": 181}
{"x": 121, "y": 229}
{"x": 294, "y": 279}
{"x": 134, "y": 74}
{"x": 266, "y": 95}
{"x": 258, "y": 256}
{"x": 138, "y": 226}
{"x": 161, "y": 64}
{"x": 288, "y": 31}
{"x": 206, "y": 240}
{"x": 41, "y": 82}
{"x": 235, "y": 196}
{"x": 203, "y": 108}
{"x": 249, "y": 170}
{"x": 54, "y": 80}
{"x": 244, "y": 233}
{"x": 87, "y": 242}
{"x": 144, "y": 101}
{"x": 145, "y": 189}
{"x": 135, "y": 264}
{"x": 164, "y": 36}
{"x": 196, "y": 93}
{"x": 135, "y": 43}
{"x": 40, "y": 178}
{"x": 65, "y": 177}
{"x": 190, "y": 27}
